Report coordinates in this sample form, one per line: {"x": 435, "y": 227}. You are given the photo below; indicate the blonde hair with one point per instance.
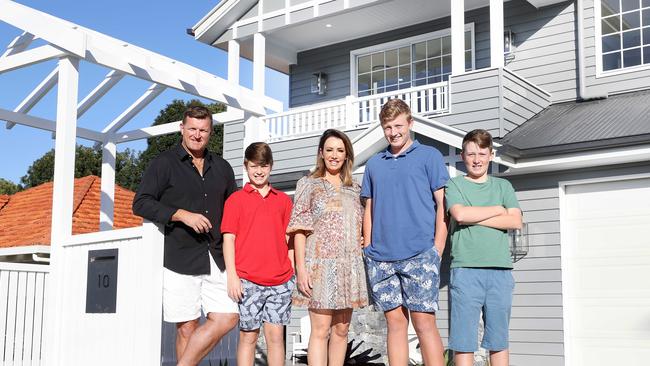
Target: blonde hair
{"x": 346, "y": 169}
{"x": 393, "y": 109}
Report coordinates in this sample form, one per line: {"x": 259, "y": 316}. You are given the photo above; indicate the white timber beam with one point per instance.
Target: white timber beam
{"x": 233, "y": 61}
{"x": 172, "y": 127}
{"x": 107, "y": 200}
{"x": 45, "y": 124}
{"x": 259, "y": 56}
{"x": 112, "y": 78}
{"x": 45, "y": 26}
{"x": 457, "y": 37}
{"x": 30, "y": 57}
{"x": 62, "y": 201}
{"x": 496, "y": 33}
{"x": 152, "y": 92}
{"x": 36, "y": 95}
{"x": 200, "y": 84}
{"x": 118, "y": 55}
{"x": 19, "y": 44}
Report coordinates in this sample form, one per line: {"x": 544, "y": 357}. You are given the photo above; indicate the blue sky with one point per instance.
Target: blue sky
{"x": 158, "y": 26}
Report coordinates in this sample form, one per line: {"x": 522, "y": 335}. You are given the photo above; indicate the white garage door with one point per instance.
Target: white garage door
{"x": 606, "y": 273}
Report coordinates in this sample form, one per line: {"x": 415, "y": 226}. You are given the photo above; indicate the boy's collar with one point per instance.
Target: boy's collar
{"x": 386, "y": 153}
{"x": 248, "y": 188}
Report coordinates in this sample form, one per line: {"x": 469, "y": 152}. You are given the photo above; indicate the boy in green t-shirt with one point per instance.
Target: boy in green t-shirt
{"x": 482, "y": 209}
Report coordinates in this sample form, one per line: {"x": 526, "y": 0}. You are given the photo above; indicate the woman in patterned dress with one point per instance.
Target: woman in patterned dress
{"x": 326, "y": 224}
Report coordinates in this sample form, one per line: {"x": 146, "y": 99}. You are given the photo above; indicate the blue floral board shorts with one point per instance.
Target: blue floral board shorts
{"x": 411, "y": 282}
{"x": 269, "y": 304}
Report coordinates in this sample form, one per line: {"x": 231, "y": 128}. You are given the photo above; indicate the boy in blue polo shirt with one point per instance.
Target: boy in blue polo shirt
{"x": 404, "y": 231}
{"x": 482, "y": 208}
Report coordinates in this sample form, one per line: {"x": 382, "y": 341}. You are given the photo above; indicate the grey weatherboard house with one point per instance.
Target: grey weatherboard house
{"x": 563, "y": 85}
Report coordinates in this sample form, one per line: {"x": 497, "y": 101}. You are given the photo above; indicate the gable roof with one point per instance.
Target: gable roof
{"x": 619, "y": 120}
{"x": 25, "y": 217}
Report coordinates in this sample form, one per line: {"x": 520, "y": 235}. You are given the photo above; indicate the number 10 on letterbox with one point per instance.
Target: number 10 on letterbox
{"x": 101, "y": 288}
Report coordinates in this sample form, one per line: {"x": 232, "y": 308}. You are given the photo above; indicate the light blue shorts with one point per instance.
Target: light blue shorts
{"x": 412, "y": 282}
{"x": 472, "y": 290}
{"x": 265, "y": 304}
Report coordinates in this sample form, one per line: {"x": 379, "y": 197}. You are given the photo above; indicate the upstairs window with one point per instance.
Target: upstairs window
{"x": 624, "y": 34}
{"x": 408, "y": 63}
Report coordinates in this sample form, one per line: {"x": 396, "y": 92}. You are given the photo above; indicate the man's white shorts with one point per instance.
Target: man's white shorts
{"x": 185, "y": 295}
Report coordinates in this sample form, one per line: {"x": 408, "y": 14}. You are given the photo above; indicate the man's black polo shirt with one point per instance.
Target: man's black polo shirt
{"x": 171, "y": 182}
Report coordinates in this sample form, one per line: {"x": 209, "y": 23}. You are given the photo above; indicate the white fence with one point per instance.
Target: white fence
{"x": 131, "y": 334}
{"x": 353, "y": 112}
{"x": 22, "y": 290}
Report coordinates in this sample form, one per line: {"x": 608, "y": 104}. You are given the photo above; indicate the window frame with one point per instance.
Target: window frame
{"x": 403, "y": 42}
{"x": 598, "y": 39}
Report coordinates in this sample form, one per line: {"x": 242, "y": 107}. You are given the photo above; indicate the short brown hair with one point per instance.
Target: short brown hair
{"x": 198, "y": 112}
{"x": 393, "y": 109}
{"x": 482, "y": 138}
{"x": 346, "y": 169}
{"x": 258, "y": 153}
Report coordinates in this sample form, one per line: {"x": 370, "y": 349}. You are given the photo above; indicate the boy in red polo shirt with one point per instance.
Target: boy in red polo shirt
{"x": 258, "y": 266}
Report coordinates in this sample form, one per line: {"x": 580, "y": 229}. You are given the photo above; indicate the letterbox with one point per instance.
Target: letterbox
{"x": 101, "y": 288}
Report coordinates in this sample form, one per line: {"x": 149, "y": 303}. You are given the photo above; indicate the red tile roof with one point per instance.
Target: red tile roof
{"x": 25, "y": 217}
{"x": 4, "y": 198}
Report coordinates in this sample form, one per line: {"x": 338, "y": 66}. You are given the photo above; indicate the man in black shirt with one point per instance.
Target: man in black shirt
{"x": 185, "y": 189}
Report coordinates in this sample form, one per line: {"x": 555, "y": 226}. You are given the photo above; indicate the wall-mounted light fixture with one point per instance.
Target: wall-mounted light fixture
{"x": 508, "y": 45}
{"x": 319, "y": 83}
{"x": 518, "y": 242}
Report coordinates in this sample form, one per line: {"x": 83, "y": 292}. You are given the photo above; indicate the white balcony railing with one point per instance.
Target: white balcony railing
{"x": 353, "y": 112}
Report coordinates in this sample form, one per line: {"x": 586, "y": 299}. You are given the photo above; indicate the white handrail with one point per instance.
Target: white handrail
{"x": 354, "y": 112}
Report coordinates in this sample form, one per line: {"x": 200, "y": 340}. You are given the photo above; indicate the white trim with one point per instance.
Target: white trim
{"x": 45, "y": 124}
{"x": 565, "y": 249}
{"x": 36, "y": 95}
{"x": 612, "y": 156}
{"x": 26, "y": 249}
{"x": 147, "y": 97}
{"x": 233, "y": 61}
{"x": 599, "y": 53}
{"x": 24, "y": 267}
{"x": 30, "y": 57}
{"x": 457, "y": 19}
{"x": 496, "y": 33}
{"x": 259, "y": 60}
{"x": 107, "y": 186}
{"x": 19, "y": 44}
{"x": 105, "y": 236}
{"x": 112, "y": 78}
{"x": 354, "y": 54}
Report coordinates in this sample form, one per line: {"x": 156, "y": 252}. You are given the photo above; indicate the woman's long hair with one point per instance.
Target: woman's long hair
{"x": 346, "y": 168}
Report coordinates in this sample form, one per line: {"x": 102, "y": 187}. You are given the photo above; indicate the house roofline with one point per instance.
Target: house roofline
{"x": 584, "y": 146}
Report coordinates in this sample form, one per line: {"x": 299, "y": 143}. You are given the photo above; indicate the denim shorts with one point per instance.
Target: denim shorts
{"x": 412, "y": 282}
{"x": 472, "y": 290}
{"x": 269, "y": 304}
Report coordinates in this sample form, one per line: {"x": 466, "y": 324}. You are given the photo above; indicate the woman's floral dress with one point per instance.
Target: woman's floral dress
{"x": 331, "y": 218}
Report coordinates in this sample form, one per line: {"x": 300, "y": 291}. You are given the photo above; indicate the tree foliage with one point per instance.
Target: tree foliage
{"x": 88, "y": 161}
{"x": 174, "y": 112}
{"x": 9, "y": 187}
{"x": 129, "y": 164}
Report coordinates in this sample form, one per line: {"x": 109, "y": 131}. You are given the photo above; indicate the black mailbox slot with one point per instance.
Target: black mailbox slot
{"x": 101, "y": 285}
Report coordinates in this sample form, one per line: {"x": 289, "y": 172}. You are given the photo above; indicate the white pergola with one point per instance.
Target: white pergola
{"x": 71, "y": 44}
